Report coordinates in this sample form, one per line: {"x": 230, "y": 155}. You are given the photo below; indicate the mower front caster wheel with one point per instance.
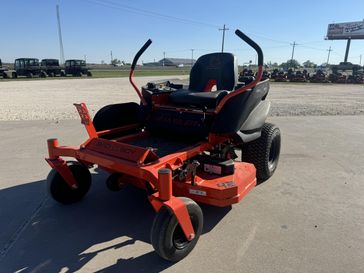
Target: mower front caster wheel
{"x": 60, "y": 191}
{"x": 167, "y": 237}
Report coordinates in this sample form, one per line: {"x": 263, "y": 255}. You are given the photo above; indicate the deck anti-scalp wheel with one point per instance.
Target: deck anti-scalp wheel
{"x": 114, "y": 182}
{"x": 264, "y": 151}
{"x": 61, "y": 191}
{"x": 167, "y": 236}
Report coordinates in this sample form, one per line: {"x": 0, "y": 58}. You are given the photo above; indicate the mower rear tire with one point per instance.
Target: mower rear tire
{"x": 167, "y": 237}
{"x": 264, "y": 152}
{"x": 60, "y": 191}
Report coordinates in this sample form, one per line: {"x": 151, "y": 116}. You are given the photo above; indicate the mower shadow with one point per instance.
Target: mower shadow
{"x": 105, "y": 223}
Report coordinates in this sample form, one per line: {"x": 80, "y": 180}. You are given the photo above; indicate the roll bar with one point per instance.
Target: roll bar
{"x": 236, "y": 92}
{"x": 132, "y": 68}
{"x": 240, "y": 90}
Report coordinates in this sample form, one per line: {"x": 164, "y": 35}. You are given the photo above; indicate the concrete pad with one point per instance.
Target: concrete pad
{"x": 309, "y": 217}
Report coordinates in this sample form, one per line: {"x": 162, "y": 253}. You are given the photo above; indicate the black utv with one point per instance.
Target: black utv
{"x": 28, "y": 67}
{"x": 2, "y": 70}
{"x": 76, "y": 68}
{"x": 52, "y": 67}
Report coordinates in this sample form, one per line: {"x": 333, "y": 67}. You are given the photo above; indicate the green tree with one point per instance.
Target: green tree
{"x": 115, "y": 62}
{"x": 290, "y": 64}
{"x": 309, "y": 64}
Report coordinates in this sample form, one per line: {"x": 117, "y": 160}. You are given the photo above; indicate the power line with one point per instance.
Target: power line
{"x": 314, "y": 48}
{"x": 314, "y": 42}
{"x": 119, "y": 6}
{"x": 266, "y": 47}
{"x": 268, "y": 38}
{"x": 338, "y": 54}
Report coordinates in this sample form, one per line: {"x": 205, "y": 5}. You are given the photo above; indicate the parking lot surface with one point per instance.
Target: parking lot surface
{"x": 309, "y": 217}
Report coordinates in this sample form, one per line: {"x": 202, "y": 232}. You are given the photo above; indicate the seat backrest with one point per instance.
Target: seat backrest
{"x": 220, "y": 69}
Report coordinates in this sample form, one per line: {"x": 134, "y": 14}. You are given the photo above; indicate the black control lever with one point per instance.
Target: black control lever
{"x": 140, "y": 52}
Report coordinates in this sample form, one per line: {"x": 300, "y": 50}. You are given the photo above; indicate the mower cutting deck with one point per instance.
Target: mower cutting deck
{"x": 179, "y": 145}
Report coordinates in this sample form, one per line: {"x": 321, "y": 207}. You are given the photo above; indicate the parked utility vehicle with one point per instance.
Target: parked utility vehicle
{"x": 76, "y": 68}
{"x": 52, "y": 67}
{"x": 28, "y": 67}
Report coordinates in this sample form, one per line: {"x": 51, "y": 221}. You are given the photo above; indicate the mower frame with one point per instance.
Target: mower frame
{"x": 113, "y": 155}
{"x": 144, "y": 169}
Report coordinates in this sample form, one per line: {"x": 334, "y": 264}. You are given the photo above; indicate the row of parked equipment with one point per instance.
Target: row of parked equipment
{"x": 318, "y": 77}
{"x": 341, "y": 73}
{"x": 31, "y": 67}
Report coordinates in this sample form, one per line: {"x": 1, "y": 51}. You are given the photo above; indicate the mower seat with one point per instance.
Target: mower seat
{"x": 198, "y": 99}
{"x": 220, "y": 69}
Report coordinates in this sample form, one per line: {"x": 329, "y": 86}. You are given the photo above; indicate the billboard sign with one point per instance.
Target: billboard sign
{"x": 353, "y": 30}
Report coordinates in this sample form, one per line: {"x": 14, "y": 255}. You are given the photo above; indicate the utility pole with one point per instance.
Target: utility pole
{"x": 111, "y": 58}
{"x": 328, "y": 55}
{"x": 360, "y": 60}
{"x": 192, "y": 57}
{"x": 164, "y": 57}
{"x": 84, "y": 56}
{"x": 60, "y": 35}
{"x": 223, "y": 37}
{"x": 293, "y": 47}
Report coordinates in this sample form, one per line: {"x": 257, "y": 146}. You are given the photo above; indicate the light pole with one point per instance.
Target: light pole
{"x": 60, "y": 35}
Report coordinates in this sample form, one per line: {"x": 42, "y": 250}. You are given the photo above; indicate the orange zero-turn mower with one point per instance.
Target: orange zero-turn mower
{"x": 179, "y": 144}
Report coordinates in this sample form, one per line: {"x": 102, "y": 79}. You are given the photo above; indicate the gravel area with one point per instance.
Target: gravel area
{"x": 53, "y": 99}
{"x": 312, "y": 99}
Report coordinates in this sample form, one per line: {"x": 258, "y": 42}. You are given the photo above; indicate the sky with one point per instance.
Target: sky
{"x": 92, "y": 28}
